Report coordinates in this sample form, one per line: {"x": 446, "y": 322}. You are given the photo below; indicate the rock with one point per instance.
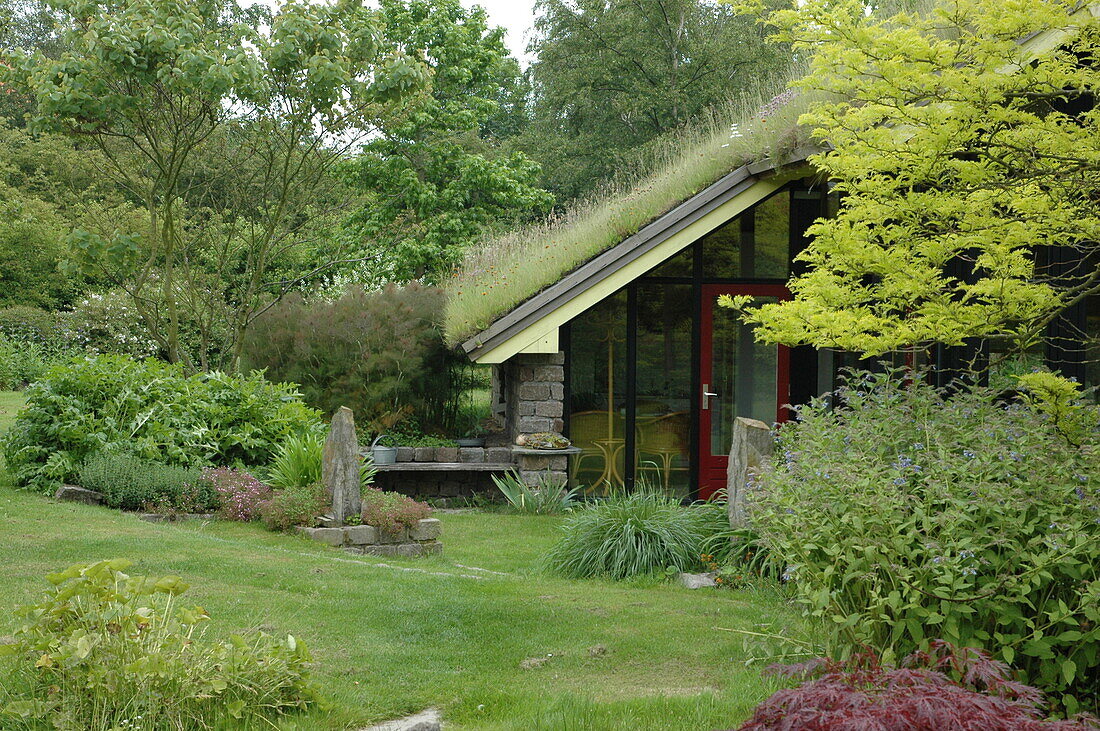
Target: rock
{"x": 429, "y": 720}
{"x": 597, "y": 651}
{"x": 389, "y": 550}
{"x": 327, "y": 521}
{"x": 427, "y": 529}
{"x": 424, "y": 454}
{"x": 401, "y": 535}
{"x": 469, "y": 455}
{"x": 498, "y": 455}
{"x": 74, "y": 494}
{"x": 361, "y": 535}
{"x": 751, "y": 449}
{"x": 331, "y": 536}
{"x": 340, "y": 466}
{"x": 406, "y": 454}
{"x": 697, "y": 581}
{"x": 446, "y": 454}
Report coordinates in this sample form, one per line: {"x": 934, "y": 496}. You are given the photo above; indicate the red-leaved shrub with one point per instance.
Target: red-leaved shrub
{"x": 392, "y": 510}
{"x": 946, "y": 688}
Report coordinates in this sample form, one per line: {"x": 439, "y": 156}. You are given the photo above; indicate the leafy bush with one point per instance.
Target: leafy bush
{"x": 549, "y": 497}
{"x": 291, "y": 506}
{"x": 631, "y": 534}
{"x": 903, "y": 514}
{"x": 108, "y": 323}
{"x": 240, "y": 496}
{"x": 152, "y": 410}
{"x": 298, "y": 461}
{"x": 20, "y": 364}
{"x": 104, "y": 650}
{"x": 130, "y": 483}
{"x": 391, "y": 510}
{"x": 944, "y": 688}
{"x": 379, "y": 353}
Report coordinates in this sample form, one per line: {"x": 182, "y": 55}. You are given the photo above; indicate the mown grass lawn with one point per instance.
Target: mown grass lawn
{"x": 449, "y": 633}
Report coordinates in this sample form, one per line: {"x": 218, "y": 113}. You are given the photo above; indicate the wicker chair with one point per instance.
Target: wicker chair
{"x": 588, "y": 431}
{"x": 665, "y": 438}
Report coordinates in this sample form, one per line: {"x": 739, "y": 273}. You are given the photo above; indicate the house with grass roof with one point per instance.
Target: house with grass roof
{"x": 604, "y": 325}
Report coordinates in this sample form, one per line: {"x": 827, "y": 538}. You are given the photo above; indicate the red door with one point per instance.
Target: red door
{"x": 739, "y": 377}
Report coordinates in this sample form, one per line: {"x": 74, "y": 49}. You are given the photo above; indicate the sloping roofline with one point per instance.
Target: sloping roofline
{"x": 531, "y": 327}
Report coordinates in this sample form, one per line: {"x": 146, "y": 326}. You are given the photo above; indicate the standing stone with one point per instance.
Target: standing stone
{"x": 340, "y": 468}
{"x": 752, "y": 448}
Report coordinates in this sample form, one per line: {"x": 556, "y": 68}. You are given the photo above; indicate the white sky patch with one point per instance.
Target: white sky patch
{"x": 517, "y": 16}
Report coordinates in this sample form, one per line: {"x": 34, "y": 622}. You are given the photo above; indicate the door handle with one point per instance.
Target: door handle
{"x": 707, "y": 395}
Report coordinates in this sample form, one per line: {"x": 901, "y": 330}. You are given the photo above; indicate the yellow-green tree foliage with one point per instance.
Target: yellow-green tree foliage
{"x": 963, "y": 139}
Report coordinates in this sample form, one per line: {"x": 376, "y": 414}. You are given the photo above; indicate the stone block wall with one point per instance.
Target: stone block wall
{"x": 534, "y": 393}
{"x": 421, "y": 539}
{"x": 451, "y": 487}
{"x": 533, "y": 388}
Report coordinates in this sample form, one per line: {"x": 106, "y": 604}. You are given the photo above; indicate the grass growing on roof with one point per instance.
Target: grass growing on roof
{"x": 505, "y": 271}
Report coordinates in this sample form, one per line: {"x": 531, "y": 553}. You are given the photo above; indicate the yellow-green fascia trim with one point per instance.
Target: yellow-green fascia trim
{"x": 542, "y": 335}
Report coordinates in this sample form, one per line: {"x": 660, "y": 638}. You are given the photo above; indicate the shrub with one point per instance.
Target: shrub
{"x": 240, "y": 496}
{"x": 293, "y": 506}
{"x": 547, "y": 498}
{"x": 298, "y": 461}
{"x": 130, "y": 483}
{"x": 945, "y": 688}
{"x": 104, "y": 650}
{"x": 903, "y": 513}
{"x": 20, "y": 363}
{"x": 108, "y": 323}
{"x": 152, "y": 410}
{"x": 391, "y": 510}
{"x": 379, "y": 353}
{"x": 631, "y": 534}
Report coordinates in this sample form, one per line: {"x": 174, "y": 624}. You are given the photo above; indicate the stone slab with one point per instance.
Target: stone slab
{"x": 697, "y": 581}
{"x": 74, "y": 494}
{"x": 446, "y": 454}
{"x": 359, "y": 535}
{"x": 428, "y": 720}
{"x": 406, "y": 454}
{"x": 428, "y": 529}
{"x": 331, "y": 536}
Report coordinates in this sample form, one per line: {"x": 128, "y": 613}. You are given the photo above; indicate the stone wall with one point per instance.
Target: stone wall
{"x": 534, "y": 394}
{"x": 421, "y": 539}
{"x": 443, "y": 488}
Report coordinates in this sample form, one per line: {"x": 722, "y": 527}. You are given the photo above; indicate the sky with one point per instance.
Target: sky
{"x": 516, "y": 16}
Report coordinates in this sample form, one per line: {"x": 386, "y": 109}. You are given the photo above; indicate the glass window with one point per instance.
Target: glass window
{"x": 598, "y": 388}
{"x": 663, "y": 407}
{"x": 1092, "y": 343}
{"x": 681, "y": 265}
{"x": 743, "y": 378}
{"x": 755, "y": 245}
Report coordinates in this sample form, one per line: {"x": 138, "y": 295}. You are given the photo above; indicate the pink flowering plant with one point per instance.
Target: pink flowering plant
{"x": 240, "y": 495}
{"x": 392, "y": 510}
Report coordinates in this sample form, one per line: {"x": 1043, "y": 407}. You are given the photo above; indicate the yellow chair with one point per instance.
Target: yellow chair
{"x": 665, "y": 438}
{"x": 588, "y": 430}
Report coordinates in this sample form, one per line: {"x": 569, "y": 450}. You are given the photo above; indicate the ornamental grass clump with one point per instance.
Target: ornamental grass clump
{"x": 105, "y": 650}
{"x": 901, "y": 513}
{"x": 630, "y": 534}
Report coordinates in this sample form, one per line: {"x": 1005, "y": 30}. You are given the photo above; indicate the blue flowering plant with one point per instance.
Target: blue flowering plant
{"x": 903, "y": 514}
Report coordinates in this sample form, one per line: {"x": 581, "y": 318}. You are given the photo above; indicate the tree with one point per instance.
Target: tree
{"x": 435, "y": 179}
{"x": 224, "y": 135}
{"x": 968, "y": 162}
{"x": 611, "y": 76}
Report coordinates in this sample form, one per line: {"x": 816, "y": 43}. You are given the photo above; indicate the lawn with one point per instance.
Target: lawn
{"x": 478, "y": 633}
